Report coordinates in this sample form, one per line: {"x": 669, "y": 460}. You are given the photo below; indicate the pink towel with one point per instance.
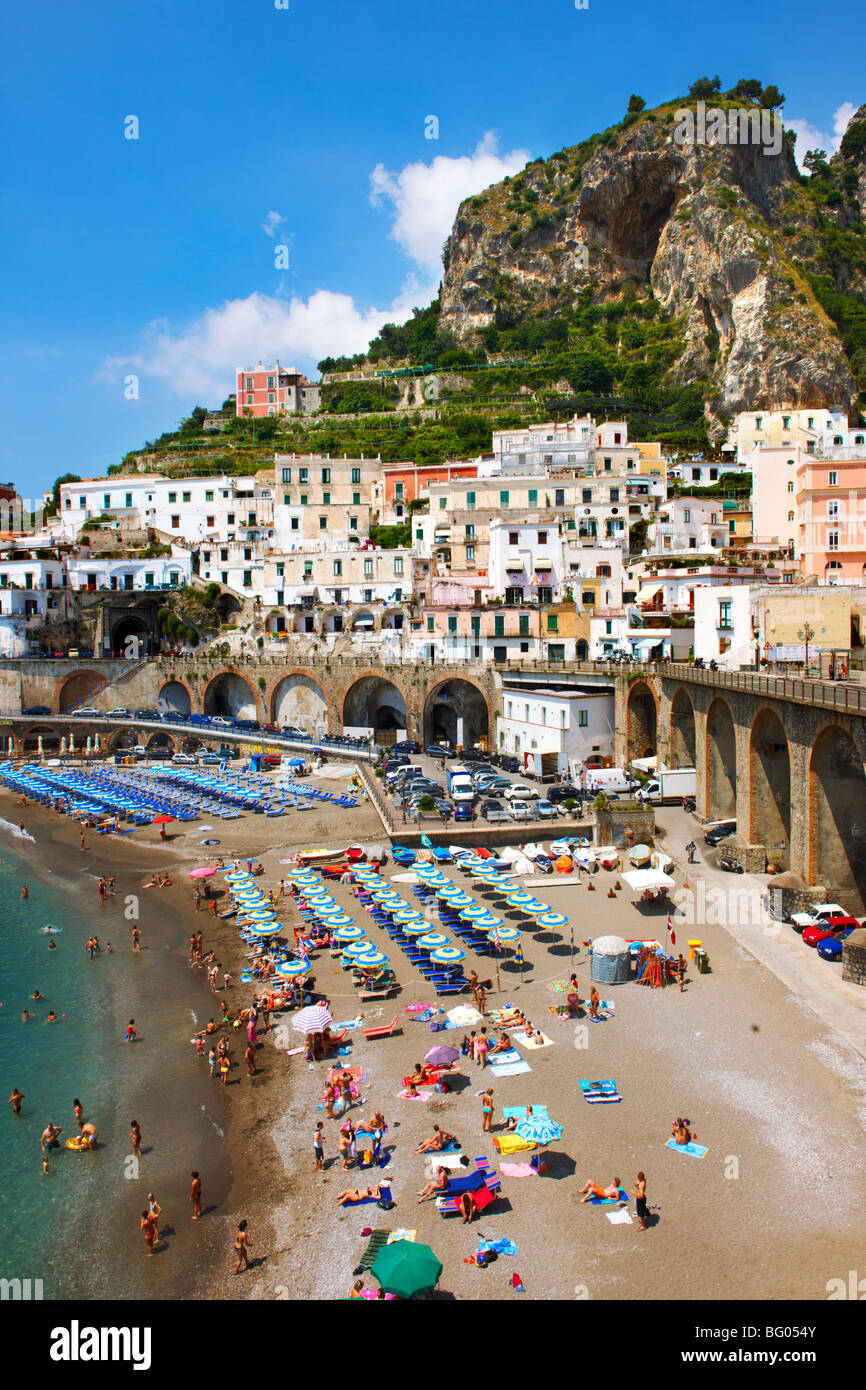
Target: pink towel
{"x": 518, "y": 1170}
{"x": 422, "y": 1095}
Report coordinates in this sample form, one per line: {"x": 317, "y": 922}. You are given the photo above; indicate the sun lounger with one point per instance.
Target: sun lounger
{"x": 484, "y": 1191}
{"x": 386, "y": 1031}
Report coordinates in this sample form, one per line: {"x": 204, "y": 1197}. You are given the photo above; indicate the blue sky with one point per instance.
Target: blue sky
{"x": 156, "y": 256}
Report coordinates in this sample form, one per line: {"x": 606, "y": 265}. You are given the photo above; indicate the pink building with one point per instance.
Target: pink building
{"x": 831, "y": 513}
{"x": 275, "y": 390}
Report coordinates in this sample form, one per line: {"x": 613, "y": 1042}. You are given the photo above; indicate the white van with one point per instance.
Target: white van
{"x": 608, "y": 779}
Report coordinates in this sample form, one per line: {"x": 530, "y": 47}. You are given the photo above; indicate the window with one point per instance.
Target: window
{"x": 587, "y": 598}
{"x": 270, "y": 383}
{"x": 832, "y": 510}
{"x": 790, "y": 517}
{"x": 553, "y": 622}
{"x": 758, "y": 421}
{"x": 338, "y": 568}
{"x": 503, "y": 499}
{"x": 326, "y": 475}
{"x": 224, "y": 576}
{"x": 587, "y": 494}
{"x": 249, "y": 383}
{"x": 186, "y": 497}
{"x": 470, "y": 552}
{"x": 786, "y": 422}
{"x": 280, "y": 570}
{"x": 583, "y": 718}
{"x": 614, "y": 494}
{"x": 513, "y": 537}
{"x": 533, "y": 496}
{"x": 248, "y": 579}
{"x": 106, "y": 500}
{"x": 353, "y": 523}
{"x": 303, "y": 499}
{"x": 687, "y": 515}
{"x": 607, "y": 465}
{"x": 791, "y": 487}
{"x": 338, "y": 621}
{"x": 469, "y": 532}
{"x": 443, "y": 501}
{"x": 356, "y": 499}
{"x": 524, "y": 624}
{"x": 559, "y": 497}
{"x": 368, "y": 596}
{"x": 323, "y": 523}
{"x": 470, "y": 501}
{"x": 725, "y": 614}
{"x": 249, "y": 400}
{"x": 128, "y": 502}
{"x": 294, "y": 523}
{"x": 287, "y": 475}
{"x": 714, "y": 474}
{"x": 356, "y": 475}
{"x": 224, "y": 555}
{"x": 326, "y": 499}
{"x": 175, "y": 523}
{"x": 833, "y": 479}
{"x": 398, "y": 564}
{"x": 513, "y": 595}
{"x": 499, "y": 625}
{"x": 475, "y": 624}
{"x": 398, "y": 491}
{"x": 431, "y": 622}
{"x": 452, "y": 622}
{"x": 545, "y": 594}
{"x": 287, "y": 499}
{"x": 368, "y": 568}
{"x": 172, "y": 497}
{"x": 148, "y": 581}
{"x": 608, "y": 627}
{"x": 542, "y": 538}
{"x": 230, "y": 519}
{"x": 832, "y": 540}
{"x": 308, "y": 568}
{"x": 303, "y": 475}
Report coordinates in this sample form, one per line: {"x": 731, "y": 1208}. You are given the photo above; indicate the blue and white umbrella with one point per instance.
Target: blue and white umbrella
{"x": 535, "y": 908}
{"x": 433, "y": 940}
{"x": 539, "y": 1129}
{"x": 290, "y": 969}
{"x": 372, "y": 958}
{"x": 408, "y": 914}
{"x": 487, "y": 922}
{"x": 350, "y": 934}
{"x": 448, "y": 955}
{"x": 419, "y": 928}
{"x": 264, "y": 928}
{"x": 551, "y": 919}
{"x": 338, "y": 919}
{"x": 474, "y": 911}
{"x": 520, "y": 898}
{"x": 359, "y": 948}
{"x": 505, "y": 933}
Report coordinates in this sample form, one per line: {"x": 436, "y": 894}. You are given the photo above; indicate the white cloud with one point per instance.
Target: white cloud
{"x": 199, "y": 360}
{"x": 426, "y": 197}
{"x": 271, "y": 222}
{"x": 809, "y": 137}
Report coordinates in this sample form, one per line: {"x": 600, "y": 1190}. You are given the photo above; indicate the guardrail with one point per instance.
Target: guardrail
{"x": 265, "y": 742}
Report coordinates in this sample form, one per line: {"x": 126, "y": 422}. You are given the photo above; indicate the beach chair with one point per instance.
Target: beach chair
{"x": 386, "y": 1031}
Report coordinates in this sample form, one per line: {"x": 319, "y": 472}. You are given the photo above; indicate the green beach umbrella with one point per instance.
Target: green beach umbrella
{"x": 406, "y": 1268}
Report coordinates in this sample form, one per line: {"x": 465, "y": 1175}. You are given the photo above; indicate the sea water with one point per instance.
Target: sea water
{"x": 75, "y": 1228}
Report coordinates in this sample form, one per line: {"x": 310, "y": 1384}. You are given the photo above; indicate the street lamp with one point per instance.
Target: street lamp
{"x": 805, "y": 634}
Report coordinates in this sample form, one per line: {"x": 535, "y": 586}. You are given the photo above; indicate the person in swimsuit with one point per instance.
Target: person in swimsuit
{"x": 15, "y": 1100}
{"x": 318, "y": 1146}
{"x": 51, "y": 1137}
{"x": 640, "y": 1201}
{"x": 88, "y": 1132}
{"x": 135, "y": 1136}
{"x": 148, "y": 1226}
{"x": 468, "y": 1206}
{"x": 435, "y": 1187}
{"x": 592, "y": 1189}
{"x": 487, "y": 1108}
{"x": 440, "y": 1140}
{"x": 243, "y": 1259}
{"x": 195, "y": 1195}
{"x": 358, "y": 1194}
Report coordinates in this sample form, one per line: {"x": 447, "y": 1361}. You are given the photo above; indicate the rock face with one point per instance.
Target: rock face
{"x": 705, "y": 226}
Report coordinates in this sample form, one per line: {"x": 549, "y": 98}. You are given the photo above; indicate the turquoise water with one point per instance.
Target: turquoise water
{"x": 76, "y": 1227}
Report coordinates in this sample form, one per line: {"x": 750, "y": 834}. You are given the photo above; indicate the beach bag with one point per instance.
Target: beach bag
{"x": 385, "y": 1204}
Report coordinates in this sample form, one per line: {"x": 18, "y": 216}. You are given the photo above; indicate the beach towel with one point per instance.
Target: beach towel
{"x": 497, "y": 1058}
{"x": 599, "y": 1092}
{"x": 401, "y": 1234}
{"x": 609, "y": 1201}
{"x": 518, "y": 1170}
{"x": 525, "y": 1041}
{"x": 512, "y": 1144}
{"x": 618, "y": 1218}
{"x": 422, "y": 1095}
{"x": 693, "y": 1150}
{"x": 504, "y": 1246}
{"x": 518, "y": 1112}
{"x": 510, "y": 1069}
{"x": 352, "y": 1023}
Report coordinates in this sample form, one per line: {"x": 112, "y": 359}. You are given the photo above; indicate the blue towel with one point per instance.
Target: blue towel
{"x": 609, "y": 1201}
{"x": 693, "y": 1150}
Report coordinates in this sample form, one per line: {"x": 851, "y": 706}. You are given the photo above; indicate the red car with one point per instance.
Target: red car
{"x": 837, "y": 926}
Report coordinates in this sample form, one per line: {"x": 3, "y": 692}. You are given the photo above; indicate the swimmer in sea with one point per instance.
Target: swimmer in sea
{"x": 25, "y": 891}
{"x": 52, "y": 1017}
{"x": 36, "y": 994}
{"x": 52, "y": 945}
{"x": 15, "y": 1100}
{"x": 78, "y": 1110}
{"x": 26, "y": 1014}
{"x": 88, "y": 1132}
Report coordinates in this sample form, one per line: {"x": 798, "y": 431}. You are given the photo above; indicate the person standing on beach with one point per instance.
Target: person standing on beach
{"x": 594, "y": 1002}
{"x": 243, "y": 1259}
{"x": 330, "y": 1097}
{"x": 640, "y": 1201}
{"x": 136, "y": 939}
{"x": 195, "y": 1195}
{"x": 83, "y": 843}
{"x": 211, "y": 1062}
{"x": 318, "y": 1146}
{"x": 131, "y": 1034}
{"x": 481, "y": 1044}
{"x": 250, "y": 1059}
{"x": 135, "y": 1136}
{"x": 487, "y": 1109}
{"x": 147, "y": 1224}
{"x": 15, "y": 1100}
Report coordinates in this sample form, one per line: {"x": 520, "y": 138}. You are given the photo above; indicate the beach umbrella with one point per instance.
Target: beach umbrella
{"x": 418, "y": 928}
{"x": 487, "y": 922}
{"x": 408, "y": 914}
{"x": 264, "y": 928}
{"x": 432, "y": 940}
{"x": 520, "y": 899}
{"x": 201, "y": 873}
{"x": 162, "y": 820}
{"x": 448, "y": 955}
{"x": 406, "y": 1268}
{"x": 373, "y": 957}
{"x": 312, "y": 1019}
{"x": 474, "y": 912}
{"x": 338, "y": 919}
{"x": 551, "y": 919}
{"x": 442, "y": 1056}
{"x": 260, "y": 914}
{"x": 296, "y": 762}
{"x": 289, "y": 969}
{"x": 505, "y": 933}
{"x": 539, "y": 1129}
{"x": 536, "y": 908}
{"x": 350, "y": 933}
{"x": 359, "y": 948}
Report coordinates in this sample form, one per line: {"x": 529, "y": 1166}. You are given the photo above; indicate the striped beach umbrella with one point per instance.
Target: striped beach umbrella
{"x": 487, "y": 922}
{"x": 408, "y": 914}
{"x": 264, "y": 928}
{"x": 520, "y": 898}
{"x": 291, "y": 969}
{"x": 312, "y": 1019}
{"x": 508, "y": 934}
{"x": 419, "y": 928}
{"x": 433, "y": 940}
{"x": 350, "y": 934}
{"x": 338, "y": 919}
{"x": 260, "y": 914}
{"x": 372, "y": 958}
{"x": 548, "y": 920}
{"x": 539, "y": 1129}
{"x": 448, "y": 955}
{"x": 359, "y": 948}
{"x": 536, "y": 908}
{"x": 239, "y": 876}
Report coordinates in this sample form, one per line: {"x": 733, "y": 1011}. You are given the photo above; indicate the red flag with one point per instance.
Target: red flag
{"x": 671, "y": 932}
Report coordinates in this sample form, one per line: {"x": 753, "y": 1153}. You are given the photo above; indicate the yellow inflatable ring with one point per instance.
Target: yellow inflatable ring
{"x": 77, "y": 1144}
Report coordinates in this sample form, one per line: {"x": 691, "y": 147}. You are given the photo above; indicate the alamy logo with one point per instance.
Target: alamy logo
{"x": 77, "y": 1343}
{"x": 23, "y": 1290}
{"x": 742, "y": 125}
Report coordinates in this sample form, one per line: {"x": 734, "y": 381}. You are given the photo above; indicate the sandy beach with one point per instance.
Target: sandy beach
{"x": 773, "y": 1211}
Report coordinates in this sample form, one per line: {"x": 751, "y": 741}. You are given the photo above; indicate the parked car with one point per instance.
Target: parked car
{"x": 839, "y": 928}
{"x": 464, "y": 810}
{"x": 118, "y": 713}
{"x": 517, "y": 793}
{"x": 182, "y": 759}
{"x": 521, "y": 810}
{"x": 507, "y": 761}
{"x": 830, "y": 949}
{"x": 142, "y": 714}
{"x": 399, "y": 760}
{"x": 563, "y": 791}
{"x": 819, "y": 916}
{"x": 227, "y": 750}
{"x": 436, "y": 750}
{"x": 493, "y": 811}
{"x": 545, "y": 809}
{"x": 208, "y": 759}
{"x": 407, "y": 745}
{"x": 292, "y": 731}
{"x": 37, "y": 709}
{"x": 198, "y": 719}
{"x": 498, "y": 785}
{"x": 271, "y": 729}
{"x": 720, "y": 832}
{"x": 89, "y": 712}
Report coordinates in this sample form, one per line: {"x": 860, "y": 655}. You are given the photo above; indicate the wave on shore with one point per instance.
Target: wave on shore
{"x": 16, "y": 831}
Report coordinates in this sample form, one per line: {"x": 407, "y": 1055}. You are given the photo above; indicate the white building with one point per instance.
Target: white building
{"x": 126, "y": 574}
{"x": 687, "y": 523}
{"x": 568, "y": 726}
{"x": 30, "y": 591}
{"x": 723, "y": 625}
{"x": 525, "y": 561}
{"x": 823, "y": 431}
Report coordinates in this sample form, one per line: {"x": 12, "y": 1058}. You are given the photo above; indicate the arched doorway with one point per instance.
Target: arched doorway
{"x": 582, "y": 650}
{"x": 78, "y": 689}
{"x": 837, "y": 817}
{"x": 50, "y": 741}
{"x": 455, "y": 712}
{"x": 191, "y": 745}
{"x": 642, "y": 722}
{"x": 175, "y": 698}
{"x": 229, "y": 696}
{"x": 130, "y": 637}
{"x": 161, "y": 741}
{"x": 770, "y": 787}
{"x": 683, "y": 741}
{"x": 301, "y": 701}
{"x": 376, "y": 704}
{"x": 721, "y": 762}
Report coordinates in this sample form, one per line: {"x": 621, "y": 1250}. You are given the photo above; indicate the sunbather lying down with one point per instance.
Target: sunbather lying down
{"x": 592, "y": 1189}
{"x": 358, "y": 1194}
{"x": 441, "y": 1139}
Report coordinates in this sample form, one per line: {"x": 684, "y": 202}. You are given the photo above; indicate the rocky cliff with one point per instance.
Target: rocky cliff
{"x": 733, "y": 242}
